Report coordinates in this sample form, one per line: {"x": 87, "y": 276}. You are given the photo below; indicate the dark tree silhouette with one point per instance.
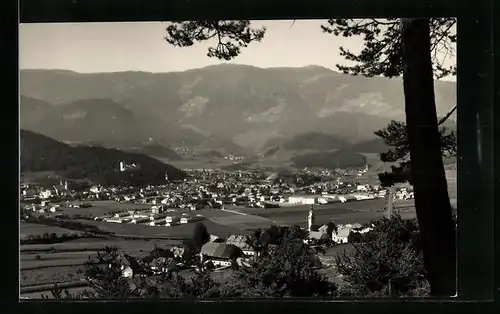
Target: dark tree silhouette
{"x": 387, "y": 261}
{"x": 431, "y": 193}
{"x": 383, "y": 40}
{"x": 392, "y": 47}
{"x": 395, "y": 135}
{"x": 230, "y": 35}
{"x": 289, "y": 270}
{"x": 331, "y": 227}
{"x": 103, "y": 272}
{"x": 200, "y": 236}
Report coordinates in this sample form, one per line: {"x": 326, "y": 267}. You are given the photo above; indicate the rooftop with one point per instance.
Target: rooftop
{"x": 221, "y": 250}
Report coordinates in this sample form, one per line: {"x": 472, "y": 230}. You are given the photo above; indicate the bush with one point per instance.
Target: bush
{"x": 387, "y": 261}
{"x": 289, "y": 270}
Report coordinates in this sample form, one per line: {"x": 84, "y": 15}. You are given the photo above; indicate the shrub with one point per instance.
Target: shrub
{"x": 387, "y": 261}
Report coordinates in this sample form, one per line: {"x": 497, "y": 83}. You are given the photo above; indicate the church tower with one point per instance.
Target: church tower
{"x": 310, "y": 218}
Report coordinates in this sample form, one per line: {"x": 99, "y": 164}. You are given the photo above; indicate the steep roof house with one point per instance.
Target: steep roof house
{"x": 241, "y": 242}
{"x": 342, "y": 234}
{"x": 220, "y": 253}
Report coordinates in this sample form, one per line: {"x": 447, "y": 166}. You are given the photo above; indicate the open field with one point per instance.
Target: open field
{"x": 39, "y": 294}
{"x": 176, "y": 232}
{"x": 338, "y": 212}
{"x": 100, "y": 208}
{"x": 64, "y": 261}
{"x": 244, "y": 221}
{"x": 26, "y": 229}
{"x": 97, "y": 244}
{"x": 49, "y": 275}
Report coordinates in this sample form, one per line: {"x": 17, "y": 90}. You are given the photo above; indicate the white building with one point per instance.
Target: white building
{"x": 322, "y": 200}
{"x": 114, "y": 220}
{"x": 304, "y": 200}
{"x": 362, "y": 187}
{"x": 127, "y": 271}
{"x": 157, "y": 209}
{"x": 342, "y": 235}
{"x": 343, "y": 199}
{"x": 95, "y": 189}
{"x": 363, "y": 196}
{"x": 46, "y": 194}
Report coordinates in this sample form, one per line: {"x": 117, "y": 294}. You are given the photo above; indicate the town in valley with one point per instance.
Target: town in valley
{"x": 199, "y": 168}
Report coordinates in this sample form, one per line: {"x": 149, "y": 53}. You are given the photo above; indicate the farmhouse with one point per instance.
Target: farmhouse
{"x": 127, "y": 272}
{"x": 216, "y": 239}
{"x": 220, "y": 254}
{"x": 342, "y": 235}
{"x": 316, "y": 236}
{"x": 362, "y": 188}
{"x": 241, "y": 242}
{"x": 157, "y": 209}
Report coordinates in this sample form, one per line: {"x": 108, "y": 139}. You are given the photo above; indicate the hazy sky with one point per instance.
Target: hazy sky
{"x": 111, "y": 47}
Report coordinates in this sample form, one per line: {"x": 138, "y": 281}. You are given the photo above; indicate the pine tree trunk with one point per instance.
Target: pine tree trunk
{"x": 430, "y": 187}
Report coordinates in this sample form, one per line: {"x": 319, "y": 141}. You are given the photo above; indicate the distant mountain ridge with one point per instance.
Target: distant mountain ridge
{"x": 231, "y": 106}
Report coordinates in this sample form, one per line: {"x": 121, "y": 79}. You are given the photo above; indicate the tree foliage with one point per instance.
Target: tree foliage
{"x": 200, "y": 236}
{"x": 290, "y": 269}
{"x": 387, "y": 261}
{"x": 231, "y": 36}
{"x": 381, "y": 54}
{"x": 395, "y": 135}
{"x": 104, "y": 275}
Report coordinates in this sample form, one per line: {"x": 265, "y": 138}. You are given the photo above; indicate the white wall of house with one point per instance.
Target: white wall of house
{"x": 249, "y": 252}
{"x": 221, "y": 262}
{"x": 338, "y": 239}
{"x": 363, "y": 188}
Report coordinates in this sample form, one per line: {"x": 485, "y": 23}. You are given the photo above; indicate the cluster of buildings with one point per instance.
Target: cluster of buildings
{"x": 340, "y": 235}
{"x": 219, "y": 253}
{"x": 209, "y": 188}
{"x": 156, "y": 216}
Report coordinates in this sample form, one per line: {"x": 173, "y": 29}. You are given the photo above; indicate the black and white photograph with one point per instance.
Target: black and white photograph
{"x": 216, "y": 159}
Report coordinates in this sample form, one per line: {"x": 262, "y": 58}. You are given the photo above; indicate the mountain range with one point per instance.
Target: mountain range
{"x": 234, "y": 109}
